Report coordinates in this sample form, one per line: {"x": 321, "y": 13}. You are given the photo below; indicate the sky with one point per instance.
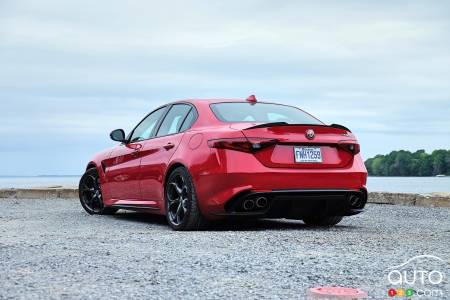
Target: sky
{"x": 71, "y": 71}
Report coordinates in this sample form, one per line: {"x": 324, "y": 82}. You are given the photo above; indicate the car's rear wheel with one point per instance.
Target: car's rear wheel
{"x": 182, "y": 210}
{"x": 90, "y": 194}
{"x": 322, "y": 221}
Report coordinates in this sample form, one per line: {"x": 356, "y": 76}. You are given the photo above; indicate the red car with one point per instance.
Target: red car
{"x": 202, "y": 160}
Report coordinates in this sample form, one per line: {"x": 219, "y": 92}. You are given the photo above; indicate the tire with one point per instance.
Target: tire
{"x": 323, "y": 221}
{"x": 182, "y": 210}
{"x": 90, "y": 194}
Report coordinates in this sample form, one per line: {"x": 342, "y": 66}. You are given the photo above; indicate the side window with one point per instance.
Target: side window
{"x": 145, "y": 129}
{"x": 173, "y": 119}
{"x": 190, "y": 119}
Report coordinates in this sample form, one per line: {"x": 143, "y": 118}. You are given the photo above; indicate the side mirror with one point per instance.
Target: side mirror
{"x": 118, "y": 135}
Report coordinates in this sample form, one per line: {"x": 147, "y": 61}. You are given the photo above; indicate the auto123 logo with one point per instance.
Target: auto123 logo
{"x": 420, "y": 276}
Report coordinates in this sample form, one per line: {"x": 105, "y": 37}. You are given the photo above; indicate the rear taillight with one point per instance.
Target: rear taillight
{"x": 249, "y": 145}
{"x": 350, "y": 146}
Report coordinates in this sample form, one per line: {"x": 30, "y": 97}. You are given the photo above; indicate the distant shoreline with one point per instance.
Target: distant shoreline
{"x": 56, "y": 176}
{"x": 410, "y": 176}
{"x": 34, "y": 176}
{"x": 399, "y": 184}
{"x": 409, "y": 199}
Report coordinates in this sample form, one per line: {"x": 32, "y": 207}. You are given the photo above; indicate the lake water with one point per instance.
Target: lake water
{"x": 383, "y": 184}
{"x": 419, "y": 185}
{"x": 38, "y": 181}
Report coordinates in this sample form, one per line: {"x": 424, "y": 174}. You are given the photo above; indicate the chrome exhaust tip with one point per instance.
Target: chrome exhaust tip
{"x": 248, "y": 204}
{"x": 261, "y": 202}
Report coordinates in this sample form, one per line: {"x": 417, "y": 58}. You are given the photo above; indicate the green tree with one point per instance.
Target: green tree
{"x": 377, "y": 166}
{"x": 368, "y": 164}
{"x": 414, "y": 167}
{"x": 439, "y": 162}
{"x": 447, "y": 160}
{"x": 426, "y": 167}
{"x": 405, "y": 163}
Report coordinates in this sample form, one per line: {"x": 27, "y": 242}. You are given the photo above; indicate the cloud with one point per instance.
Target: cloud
{"x": 73, "y": 70}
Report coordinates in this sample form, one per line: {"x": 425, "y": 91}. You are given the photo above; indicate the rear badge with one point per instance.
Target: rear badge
{"x": 310, "y": 134}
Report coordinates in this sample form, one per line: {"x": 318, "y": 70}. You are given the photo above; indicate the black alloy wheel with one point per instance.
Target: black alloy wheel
{"x": 182, "y": 211}
{"x": 90, "y": 194}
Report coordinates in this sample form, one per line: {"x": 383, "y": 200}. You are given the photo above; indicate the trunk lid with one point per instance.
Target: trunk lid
{"x": 291, "y": 138}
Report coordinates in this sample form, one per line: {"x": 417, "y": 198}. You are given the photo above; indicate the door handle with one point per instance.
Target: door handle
{"x": 169, "y": 146}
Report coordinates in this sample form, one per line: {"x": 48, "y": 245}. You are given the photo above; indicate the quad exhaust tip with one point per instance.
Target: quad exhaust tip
{"x": 248, "y": 204}
{"x": 261, "y": 202}
{"x": 251, "y": 204}
{"x": 355, "y": 201}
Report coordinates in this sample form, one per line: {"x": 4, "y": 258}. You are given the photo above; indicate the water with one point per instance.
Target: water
{"x": 418, "y": 185}
{"x": 38, "y": 181}
{"x": 421, "y": 185}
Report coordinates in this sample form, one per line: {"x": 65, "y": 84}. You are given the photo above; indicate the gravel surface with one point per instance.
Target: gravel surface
{"x": 51, "y": 249}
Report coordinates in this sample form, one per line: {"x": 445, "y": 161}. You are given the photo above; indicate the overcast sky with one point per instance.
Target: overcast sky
{"x": 71, "y": 71}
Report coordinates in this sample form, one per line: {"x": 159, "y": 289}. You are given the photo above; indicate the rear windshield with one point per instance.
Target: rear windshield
{"x": 236, "y": 112}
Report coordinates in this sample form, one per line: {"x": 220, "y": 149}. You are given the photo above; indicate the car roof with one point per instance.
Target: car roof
{"x": 209, "y": 101}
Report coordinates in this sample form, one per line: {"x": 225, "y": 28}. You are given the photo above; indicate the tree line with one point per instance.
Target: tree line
{"x": 405, "y": 163}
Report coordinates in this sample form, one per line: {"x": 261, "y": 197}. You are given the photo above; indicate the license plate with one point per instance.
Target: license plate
{"x": 307, "y": 154}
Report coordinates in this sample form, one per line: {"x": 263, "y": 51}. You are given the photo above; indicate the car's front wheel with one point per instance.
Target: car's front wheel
{"x": 182, "y": 210}
{"x": 322, "y": 221}
{"x": 90, "y": 194}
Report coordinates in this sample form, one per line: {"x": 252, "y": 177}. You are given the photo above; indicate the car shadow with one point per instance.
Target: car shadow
{"x": 270, "y": 224}
{"x": 140, "y": 217}
{"x": 233, "y": 224}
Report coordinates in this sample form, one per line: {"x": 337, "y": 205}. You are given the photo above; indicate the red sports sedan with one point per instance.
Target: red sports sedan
{"x": 202, "y": 160}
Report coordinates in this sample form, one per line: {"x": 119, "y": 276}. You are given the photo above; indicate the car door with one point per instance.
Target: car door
{"x": 158, "y": 151}
{"x": 123, "y": 170}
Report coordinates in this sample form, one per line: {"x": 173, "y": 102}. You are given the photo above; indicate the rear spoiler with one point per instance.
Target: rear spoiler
{"x": 273, "y": 124}
{"x": 340, "y": 127}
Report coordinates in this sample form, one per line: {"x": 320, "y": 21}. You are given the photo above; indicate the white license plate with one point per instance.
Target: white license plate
{"x": 307, "y": 154}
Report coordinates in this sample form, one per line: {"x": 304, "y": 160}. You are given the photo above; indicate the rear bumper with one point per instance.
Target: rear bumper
{"x": 230, "y": 174}
{"x": 298, "y": 204}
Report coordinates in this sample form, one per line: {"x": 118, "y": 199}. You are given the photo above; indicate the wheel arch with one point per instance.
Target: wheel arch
{"x": 91, "y": 165}
{"x": 170, "y": 170}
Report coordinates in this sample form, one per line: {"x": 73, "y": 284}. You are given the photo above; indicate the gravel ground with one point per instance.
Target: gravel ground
{"x": 51, "y": 249}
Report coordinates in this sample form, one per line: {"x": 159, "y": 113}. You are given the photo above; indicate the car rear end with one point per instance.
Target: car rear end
{"x": 278, "y": 161}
